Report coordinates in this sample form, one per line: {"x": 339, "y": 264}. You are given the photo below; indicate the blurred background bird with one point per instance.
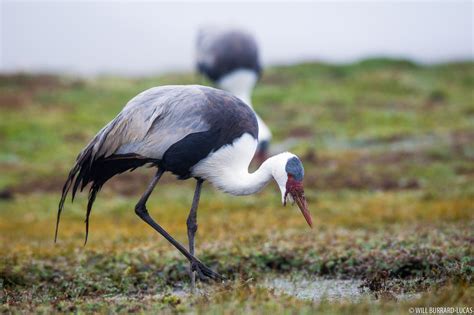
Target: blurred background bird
{"x": 229, "y": 57}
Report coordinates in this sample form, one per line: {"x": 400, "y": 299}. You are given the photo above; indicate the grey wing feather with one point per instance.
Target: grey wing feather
{"x": 151, "y": 122}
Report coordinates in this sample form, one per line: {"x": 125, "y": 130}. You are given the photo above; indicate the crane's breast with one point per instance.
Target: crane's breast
{"x": 222, "y": 164}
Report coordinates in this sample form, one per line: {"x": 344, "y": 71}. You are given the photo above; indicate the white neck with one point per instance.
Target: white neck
{"x": 241, "y": 182}
{"x": 244, "y": 183}
{"x": 227, "y": 168}
{"x": 241, "y": 83}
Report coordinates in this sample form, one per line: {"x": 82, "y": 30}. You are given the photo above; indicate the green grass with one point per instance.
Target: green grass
{"x": 388, "y": 149}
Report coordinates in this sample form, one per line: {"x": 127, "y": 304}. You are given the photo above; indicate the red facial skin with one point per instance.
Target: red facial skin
{"x": 295, "y": 189}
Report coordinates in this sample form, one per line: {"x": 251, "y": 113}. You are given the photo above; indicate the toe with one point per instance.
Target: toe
{"x": 204, "y": 272}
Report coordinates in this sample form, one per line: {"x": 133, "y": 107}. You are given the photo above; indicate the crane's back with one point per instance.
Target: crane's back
{"x": 172, "y": 127}
{"x": 171, "y": 121}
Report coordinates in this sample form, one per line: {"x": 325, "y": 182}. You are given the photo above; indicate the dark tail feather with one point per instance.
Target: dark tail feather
{"x": 96, "y": 171}
{"x": 78, "y": 168}
{"x": 66, "y": 187}
{"x": 92, "y": 194}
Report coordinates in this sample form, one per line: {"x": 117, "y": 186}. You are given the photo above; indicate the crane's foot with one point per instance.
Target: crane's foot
{"x": 204, "y": 273}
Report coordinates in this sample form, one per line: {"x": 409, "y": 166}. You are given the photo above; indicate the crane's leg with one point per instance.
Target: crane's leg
{"x": 141, "y": 210}
{"x": 191, "y": 222}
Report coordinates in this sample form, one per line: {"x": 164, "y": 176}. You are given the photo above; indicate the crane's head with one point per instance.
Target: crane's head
{"x": 288, "y": 172}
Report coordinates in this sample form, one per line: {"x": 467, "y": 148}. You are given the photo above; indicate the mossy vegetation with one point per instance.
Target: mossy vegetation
{"x": 388, "y": 149}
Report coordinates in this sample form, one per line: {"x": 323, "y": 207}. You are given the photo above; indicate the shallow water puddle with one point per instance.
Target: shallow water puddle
{"x": 317, "y": 289}
{"x": 306, "y": 288}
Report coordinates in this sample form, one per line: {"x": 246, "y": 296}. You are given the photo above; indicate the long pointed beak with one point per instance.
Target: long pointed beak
{"x": 300, "y": 200}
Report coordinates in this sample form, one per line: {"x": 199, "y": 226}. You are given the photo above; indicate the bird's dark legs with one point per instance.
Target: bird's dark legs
{"x": 140, "y": 209}
{"x": 191, "y": 222}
